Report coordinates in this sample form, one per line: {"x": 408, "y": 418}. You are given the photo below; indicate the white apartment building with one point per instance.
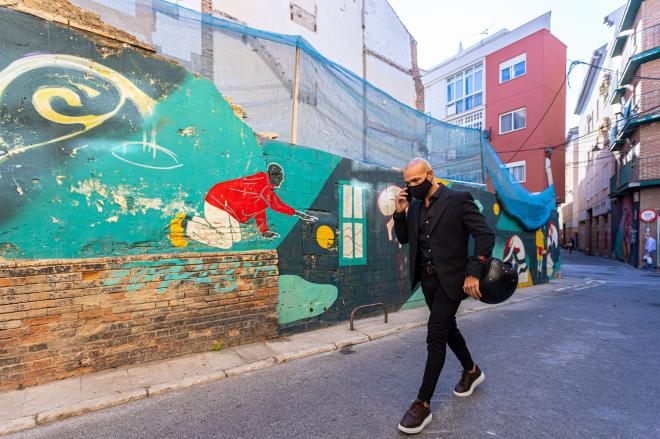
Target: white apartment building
{"x": 468, "y": 65}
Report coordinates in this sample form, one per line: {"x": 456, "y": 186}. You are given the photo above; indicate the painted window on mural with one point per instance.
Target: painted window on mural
{"x": 352, "y": 225}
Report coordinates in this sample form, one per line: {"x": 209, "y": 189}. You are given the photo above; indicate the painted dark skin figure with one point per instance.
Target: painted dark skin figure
{"x": 436, "y": 222}
{"x": 231, "y": 203}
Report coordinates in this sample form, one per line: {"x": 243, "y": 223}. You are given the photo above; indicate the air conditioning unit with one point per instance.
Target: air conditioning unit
{"x": 451, "y": 109}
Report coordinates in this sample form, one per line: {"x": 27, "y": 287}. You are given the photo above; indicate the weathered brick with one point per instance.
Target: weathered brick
{"x": 72, "y": 324}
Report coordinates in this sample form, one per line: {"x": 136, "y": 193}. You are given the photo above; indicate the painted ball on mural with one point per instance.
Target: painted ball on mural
{"x": 496, "y": 209}
{"x": 325, "y": 236}
{"x": 386, "y": 200}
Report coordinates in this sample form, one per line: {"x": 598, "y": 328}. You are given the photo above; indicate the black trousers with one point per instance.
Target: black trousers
{"x": 442, "y": 331}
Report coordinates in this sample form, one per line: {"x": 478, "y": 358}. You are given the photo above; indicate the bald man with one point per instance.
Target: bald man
{"x": 436, "y": 223}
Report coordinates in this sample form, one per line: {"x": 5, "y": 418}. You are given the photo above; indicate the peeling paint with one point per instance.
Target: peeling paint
{"x": 89, "y": 187}
{"x": 188, "y": 131}
{"x": 18, "y": 188}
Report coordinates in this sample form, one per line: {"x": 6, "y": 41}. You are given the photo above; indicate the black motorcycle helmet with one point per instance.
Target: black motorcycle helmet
{"x": 499, "y": 282}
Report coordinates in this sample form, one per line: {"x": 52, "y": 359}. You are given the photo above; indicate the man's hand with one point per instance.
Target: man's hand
{"x": 270, "y": 235}
{"x": 307, "y": 218}
{"x": 471, "y": 287}
{"x": 401, "y": 203}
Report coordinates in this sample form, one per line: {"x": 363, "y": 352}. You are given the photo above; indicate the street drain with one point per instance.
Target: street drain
{"x": 347, "y": 351}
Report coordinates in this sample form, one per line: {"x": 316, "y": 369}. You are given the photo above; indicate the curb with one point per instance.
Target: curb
{"x": 18, "y": 424}
{"x": 90, "y": 405}
{"x": 172, "y": 386}
{"x": 82, "y": 407}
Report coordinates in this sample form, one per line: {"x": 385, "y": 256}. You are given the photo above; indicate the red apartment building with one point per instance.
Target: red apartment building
{"x": 511, "y": 85}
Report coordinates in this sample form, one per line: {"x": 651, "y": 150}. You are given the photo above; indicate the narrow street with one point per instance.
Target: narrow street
{"x": 575, "y": 363}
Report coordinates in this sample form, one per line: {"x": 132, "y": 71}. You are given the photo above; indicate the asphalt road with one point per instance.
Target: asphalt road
{"x": 582, "y": 362}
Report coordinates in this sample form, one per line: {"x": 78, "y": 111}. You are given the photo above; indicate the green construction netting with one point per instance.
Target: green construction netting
{"x": 338, "y": 111}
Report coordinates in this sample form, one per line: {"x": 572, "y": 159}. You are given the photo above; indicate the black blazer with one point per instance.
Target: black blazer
{"x": 455, "y": 217}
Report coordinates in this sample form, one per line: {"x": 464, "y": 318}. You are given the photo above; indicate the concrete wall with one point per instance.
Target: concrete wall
{"x": 339, "y": 36}
{"x": 141, "y": 216}
{"x": 389, "y": 57}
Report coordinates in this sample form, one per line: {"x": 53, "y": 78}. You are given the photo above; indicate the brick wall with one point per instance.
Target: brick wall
{"x": 649, "y": 163}
{"x": 649, "y": 13}
{"x": 649, "y": 198}
{"x": 69, "y": 317}
{"x": 650, "y": 90}
{"x": 63, "y": 12}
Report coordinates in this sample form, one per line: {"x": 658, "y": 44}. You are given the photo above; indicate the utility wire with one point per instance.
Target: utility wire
{"x": 589, "y": 133}
{"x": 546, "y": 111}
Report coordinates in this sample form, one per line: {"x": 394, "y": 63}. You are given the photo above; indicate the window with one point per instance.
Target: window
{"x": 518, "y": 170}
{"x": 465, "y": 89}
{"x": 513, "y": 121}
{"x": 304, "y": 13}
{"x": 513, "y": 68}
{"x": 352, "y": 225}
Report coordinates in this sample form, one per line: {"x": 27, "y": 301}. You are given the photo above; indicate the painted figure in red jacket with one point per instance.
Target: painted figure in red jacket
{"x": 231, "y": 203}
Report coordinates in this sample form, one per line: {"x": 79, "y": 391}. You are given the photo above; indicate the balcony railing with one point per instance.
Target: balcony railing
{"x": 643, "y": 171}
{"x": 623, "y": 177}
{"x": 640, "y": 47}
{"x": 623, "y": 125}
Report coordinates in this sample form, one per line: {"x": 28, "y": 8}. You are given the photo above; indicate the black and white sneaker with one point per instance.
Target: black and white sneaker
{"x": 416, "y": 418}
{"x": 469, "y": 381}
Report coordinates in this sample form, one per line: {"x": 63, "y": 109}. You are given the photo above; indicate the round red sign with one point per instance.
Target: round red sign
{"x": 648, "y": 215}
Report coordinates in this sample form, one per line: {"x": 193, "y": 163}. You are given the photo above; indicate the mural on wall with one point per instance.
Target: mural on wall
{"x": 122, "y": 153}
{"x": 624, "y": 233}
{"x": 231, "y": 203}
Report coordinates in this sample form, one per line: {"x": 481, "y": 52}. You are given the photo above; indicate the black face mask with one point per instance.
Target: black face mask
{"x": 420, "y": 190}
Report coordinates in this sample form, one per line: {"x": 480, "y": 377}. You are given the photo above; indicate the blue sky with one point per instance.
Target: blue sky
{"x": 439, "y": 26}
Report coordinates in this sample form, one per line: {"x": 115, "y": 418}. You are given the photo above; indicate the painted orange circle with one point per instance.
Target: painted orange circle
{"x": 325, "y": 236}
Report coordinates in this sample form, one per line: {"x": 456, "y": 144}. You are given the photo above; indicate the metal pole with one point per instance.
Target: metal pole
{"x": 657, "y": 238}
{"x": 296, "y": 86}
{"x": 481, "y": 155}
{"x": 364, "y": 86}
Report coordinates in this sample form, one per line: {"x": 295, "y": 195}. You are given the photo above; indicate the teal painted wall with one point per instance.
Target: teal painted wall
{"x": 131, "y": 154}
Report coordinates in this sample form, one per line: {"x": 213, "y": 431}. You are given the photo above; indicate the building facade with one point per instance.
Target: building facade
{"x": 635, "y": 132}
{"x": 568, "y": 212}
{"x": 593, "y": 162}
{"x": 511, "y": 85}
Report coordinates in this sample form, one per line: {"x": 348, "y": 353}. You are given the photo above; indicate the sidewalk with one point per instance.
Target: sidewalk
{"x": 24, "y": 409}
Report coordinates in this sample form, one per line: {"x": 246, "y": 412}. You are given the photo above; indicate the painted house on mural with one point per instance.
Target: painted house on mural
{"x": 503, "y": 86}
{"x": 146, "y": 214}
{"x": 635, "y": 134}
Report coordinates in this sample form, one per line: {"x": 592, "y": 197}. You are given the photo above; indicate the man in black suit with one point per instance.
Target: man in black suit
{"x": 437, "y": 226}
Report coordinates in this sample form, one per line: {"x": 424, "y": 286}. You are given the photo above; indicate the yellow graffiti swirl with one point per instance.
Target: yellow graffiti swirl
{"x": 43, "y": 97}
